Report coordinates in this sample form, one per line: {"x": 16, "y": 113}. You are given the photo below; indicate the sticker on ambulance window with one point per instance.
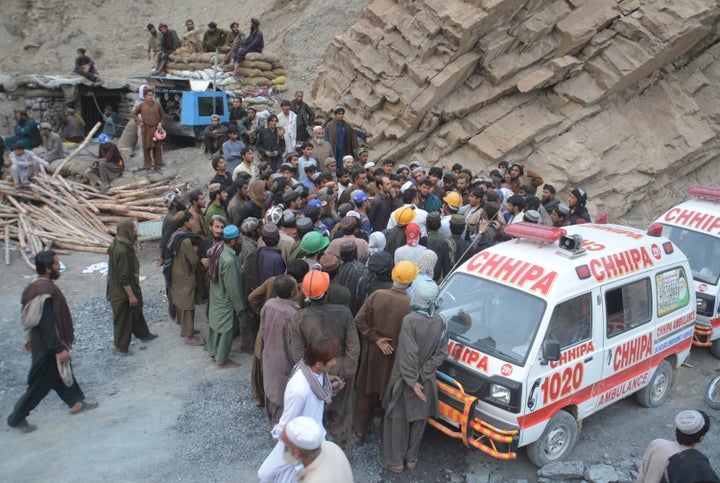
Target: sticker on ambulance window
{"x": 672, "y": 290}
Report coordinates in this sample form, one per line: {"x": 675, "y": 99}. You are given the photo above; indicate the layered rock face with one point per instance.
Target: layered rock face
{"x": 619, "y": 96}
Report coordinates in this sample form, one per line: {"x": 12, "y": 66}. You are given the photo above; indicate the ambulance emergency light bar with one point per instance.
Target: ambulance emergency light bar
{"x": 532, "y": 231}
{"x": 706, "y": 192}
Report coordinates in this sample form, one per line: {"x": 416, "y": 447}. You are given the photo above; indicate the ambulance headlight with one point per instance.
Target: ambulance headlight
{"x": 501, "y": 393}
{"x": 702, "y": 305}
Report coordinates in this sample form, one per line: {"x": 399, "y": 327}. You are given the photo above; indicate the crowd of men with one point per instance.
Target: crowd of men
{"x": 326, "y": 265}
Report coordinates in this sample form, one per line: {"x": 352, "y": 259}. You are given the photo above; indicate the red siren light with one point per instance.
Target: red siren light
{"x": 601, "y": 218}
{"x": 655, "y": 229}
{"x": 532, "y": 231}
{"x": 706, "y": 192}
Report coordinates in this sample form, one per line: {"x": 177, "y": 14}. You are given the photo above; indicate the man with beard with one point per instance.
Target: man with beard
{"x": 218, "y": 197}
{"x": 271, "y": 144}
{"x": 341, "y": 135}
{"x": 307, "y": 392}
{"x": 379, "y": 321}
{"x": 238, "y": 190}
{"x": 305, "y": 117}
{"x": 321, "y": 148}
{"x": 180, "y": 270}
{"x": 250, "y": 126}
{"x": 578, "y": 212}
{"x": 253, "y": 43}
{"x": 196, "y": 198}
{"x": 519, "y": 175}
{"x": 214, "y": 135}
{"x": 154, "y": 45}
{"x": 217, "y": 225}
{"x": 227, "y": 297}
{"x": 247, "y": 155}
{"x": 324, "y": 320}
{"x": 169, "y": 43}
{"x": 123, "y": 288}
{"x": 49, "y": 335}
{"x": 548, "y": 197}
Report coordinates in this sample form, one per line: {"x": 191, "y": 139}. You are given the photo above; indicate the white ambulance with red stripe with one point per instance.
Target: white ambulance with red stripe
{"x": 694, "y": 226}
{"x": 554, "y": 325}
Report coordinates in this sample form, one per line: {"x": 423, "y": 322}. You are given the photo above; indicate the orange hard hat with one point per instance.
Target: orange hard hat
{"x": 315, "y": 284}
{"x": 453, "y": 199}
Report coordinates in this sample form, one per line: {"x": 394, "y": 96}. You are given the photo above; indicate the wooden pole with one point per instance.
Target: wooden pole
{"x": 7, "y": 244}
{"x": 76, "y": 150}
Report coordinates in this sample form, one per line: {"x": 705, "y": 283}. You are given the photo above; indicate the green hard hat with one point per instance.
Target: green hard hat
{"x": 313, "y": 242}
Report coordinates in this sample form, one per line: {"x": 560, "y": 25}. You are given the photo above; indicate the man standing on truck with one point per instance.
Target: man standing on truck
{"x": 152, "y": 115}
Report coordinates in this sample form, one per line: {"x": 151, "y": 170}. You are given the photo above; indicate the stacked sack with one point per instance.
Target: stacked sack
{"x": 263, "y": 70}
{"x": 258, "y": 71}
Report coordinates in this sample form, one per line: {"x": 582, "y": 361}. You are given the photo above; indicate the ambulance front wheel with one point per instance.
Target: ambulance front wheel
{"x": 655, "y": 393}
{"x": 557, "y": 440}
{"x": 715, "y": 348}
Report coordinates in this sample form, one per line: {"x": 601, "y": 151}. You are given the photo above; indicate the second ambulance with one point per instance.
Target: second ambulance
{"x": 547, "y": 329}
{"x": 694, "y": 226}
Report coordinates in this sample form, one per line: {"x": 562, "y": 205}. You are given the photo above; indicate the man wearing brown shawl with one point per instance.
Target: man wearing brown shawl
{"x": 49, "y": 336}
{"x": 123, "y": 288}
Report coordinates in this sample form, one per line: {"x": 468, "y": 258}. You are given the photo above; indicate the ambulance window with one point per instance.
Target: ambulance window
{"x": 672, "y": 291}
{"x": 627, "y": 307}
{"x": 571, "y": 321}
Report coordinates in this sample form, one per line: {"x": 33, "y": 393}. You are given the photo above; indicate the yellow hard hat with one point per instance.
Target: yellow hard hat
{"x": 405, "y": 272}
{"x": 405, "y": 215}
{"x": 453, "y": 199}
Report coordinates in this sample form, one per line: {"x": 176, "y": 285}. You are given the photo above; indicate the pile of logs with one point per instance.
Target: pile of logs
{"x": 57, "y": 213}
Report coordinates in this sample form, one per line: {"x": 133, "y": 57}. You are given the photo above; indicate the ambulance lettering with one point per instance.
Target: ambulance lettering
{"x": 693, "y": 219}
{"x": 632, "y": 351}
{"x": 592, "y": 246}
{"x": 623, "y": 389}
{"x": 669, "y": 327}
{"x": 573, "y": 353}
{"x": 619, "y": 264}
{"x": 468, "y": 356}
{"x": 562, "y": 383}
{"x": 513, "y": 271}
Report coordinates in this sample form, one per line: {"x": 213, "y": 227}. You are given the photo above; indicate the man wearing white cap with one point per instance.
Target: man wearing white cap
{"x": 323, "y": 461}
{"x": 690, "y": 429}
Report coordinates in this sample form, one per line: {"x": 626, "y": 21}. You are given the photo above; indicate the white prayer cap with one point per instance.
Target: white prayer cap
{"x": 689, "y": 422}
{"x": 406, "y": 185}
{"x": 369, "y": 165}
{"x": 305, "y": 433}
{"x": 316, "y": 128}
{"x": 347, "y": 157}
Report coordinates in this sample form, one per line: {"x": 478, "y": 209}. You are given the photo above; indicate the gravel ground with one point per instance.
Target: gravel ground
{"x": 168, "y": 414}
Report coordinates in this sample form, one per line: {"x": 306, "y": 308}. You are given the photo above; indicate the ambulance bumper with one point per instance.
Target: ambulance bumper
{"x": 702, "y": 337}
{"x": 459, "y": 419}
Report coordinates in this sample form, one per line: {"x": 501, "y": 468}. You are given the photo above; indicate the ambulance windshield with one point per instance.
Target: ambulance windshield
{"x": 492, "y": 318}
{"x": 702, "y": 250}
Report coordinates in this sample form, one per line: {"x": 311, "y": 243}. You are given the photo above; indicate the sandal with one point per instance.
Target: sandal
{"x": 25, "y": 427}
{"x": 85, "y": 407}
{"x": 393, "y": 469}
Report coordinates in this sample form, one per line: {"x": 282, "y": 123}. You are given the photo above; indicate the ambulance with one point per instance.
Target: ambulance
{"x": 694, "y": 227}
{"x": 548, "y": 328}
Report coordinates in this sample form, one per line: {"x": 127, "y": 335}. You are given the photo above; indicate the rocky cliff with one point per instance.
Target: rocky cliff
{"x": 619, "y": 96}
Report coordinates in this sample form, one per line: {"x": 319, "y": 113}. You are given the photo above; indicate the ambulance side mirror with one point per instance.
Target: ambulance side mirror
{"x": 551, "y": 350}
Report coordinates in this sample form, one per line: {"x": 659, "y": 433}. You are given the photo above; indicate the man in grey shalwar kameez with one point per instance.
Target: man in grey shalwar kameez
{"x": 411, "y": 395}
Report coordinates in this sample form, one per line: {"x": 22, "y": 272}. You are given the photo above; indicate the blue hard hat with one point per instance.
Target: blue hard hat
{"x": 104, "y": 139}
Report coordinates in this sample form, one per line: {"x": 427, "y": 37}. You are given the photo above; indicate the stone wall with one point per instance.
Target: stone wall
{"x": 620, "y": 97}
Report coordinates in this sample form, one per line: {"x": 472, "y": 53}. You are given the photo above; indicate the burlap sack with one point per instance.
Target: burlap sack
{"x": 272, "y": 58}
{"x": 254, "y": 56}
{"x": 199, "y": 65}
{"x": 281, "y": 79}
{"x": 280, "y": 87}
{"x": 249, "y": 72}
{"x": 278, "y": 72}
{"x": 258, "y": 64}
{"x": 257, "y": 82}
